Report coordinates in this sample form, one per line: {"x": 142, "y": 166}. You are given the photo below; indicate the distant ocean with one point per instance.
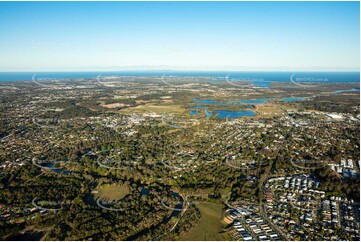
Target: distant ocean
{"x": 214, "y": 75}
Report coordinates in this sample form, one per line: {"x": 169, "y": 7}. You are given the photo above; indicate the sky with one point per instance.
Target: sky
{"x": 270, "y": 36}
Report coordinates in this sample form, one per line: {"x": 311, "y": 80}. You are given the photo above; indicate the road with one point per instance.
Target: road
{"x": 263, "y": 210}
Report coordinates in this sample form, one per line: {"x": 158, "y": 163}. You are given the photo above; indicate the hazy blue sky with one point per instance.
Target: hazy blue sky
{"x": 201, "y": 35}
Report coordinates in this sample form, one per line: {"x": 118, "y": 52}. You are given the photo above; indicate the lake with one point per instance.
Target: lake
{"x": 226, "y": 113}
{"x": 58, "y": 170}
{"x": 194, "y": 112}
{"x": 208, "y": 101}
{"x": 293, "y": 99}
{"x": 255, "y": 101}
{"x": 234, "y": 114}
{"x": 351, "y": 90}
{"x": 208, "y": 113}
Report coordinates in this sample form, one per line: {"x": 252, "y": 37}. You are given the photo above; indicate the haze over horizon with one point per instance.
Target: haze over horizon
{"x": 203, "y": 36}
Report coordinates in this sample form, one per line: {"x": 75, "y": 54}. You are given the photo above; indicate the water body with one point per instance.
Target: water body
{"x": 178, "y": 207}
{"x": 208, "y": 101}
{"x": 194, "y": 112}
{"x": 225, "y": 113}
{"x": 57, "y": 170}
{"x": 293, "y": 99}
{"x": 234, "y": 114}
{"x": 144, "y": 191}
{"x": 351, "y": 90}
{"x": 208, "y": 113}
{"x": 255, "y": 101}
{"x": 258, "y": 78}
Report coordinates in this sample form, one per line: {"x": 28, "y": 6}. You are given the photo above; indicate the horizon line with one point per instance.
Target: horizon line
{"x": 176, "y": 70}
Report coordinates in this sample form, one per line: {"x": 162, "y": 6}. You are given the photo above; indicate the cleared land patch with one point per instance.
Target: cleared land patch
{"x": 114, "y": 105}
{"x": 152, "y": 108}
{"x": 111, "y": 192}
{"x": 210, "y": 224}
{"x": 267, "y": 111}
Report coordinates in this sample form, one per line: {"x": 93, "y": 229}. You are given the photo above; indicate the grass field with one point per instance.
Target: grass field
{"x": 210, "y": 224}
{"x": 112, "y": 192}
{"x": 267, "y": 111}
{"x": 153, "y": 108}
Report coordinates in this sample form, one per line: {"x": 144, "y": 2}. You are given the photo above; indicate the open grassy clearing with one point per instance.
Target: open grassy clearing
{"x": 154, "y": 108}
{"x": 111, "y": 192}
{"x": 210, "y": 225}
{"x": 267, "y": 111}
